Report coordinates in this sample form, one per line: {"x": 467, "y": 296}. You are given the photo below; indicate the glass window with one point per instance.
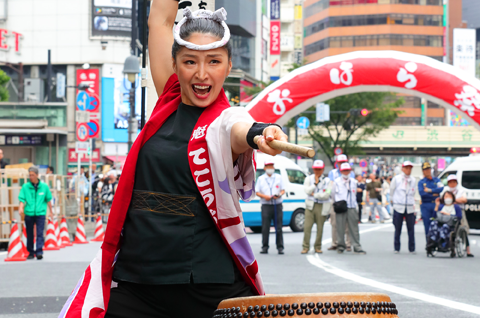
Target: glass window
{"x": 295, "y": 176}
{"x": 443, "y": 178}
{"x": 471, "y": 180}
{"x": 261, "y": 171}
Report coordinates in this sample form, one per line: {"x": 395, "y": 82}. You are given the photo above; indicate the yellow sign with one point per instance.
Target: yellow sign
{"x": 298, "y": 12}
{"x": 298, "y": 41}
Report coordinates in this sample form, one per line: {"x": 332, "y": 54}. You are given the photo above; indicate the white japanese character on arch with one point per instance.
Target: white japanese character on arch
{"x": 277, "y": 97}
{"x": 403, "y": 75}
{"x": 468, "y": 100}
{"x": 346, "y": 77}
{"x": 199, "y": 132}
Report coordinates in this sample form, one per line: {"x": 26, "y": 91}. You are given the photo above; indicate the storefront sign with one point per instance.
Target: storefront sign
{"x": 26, "y": 140}
{"x": 73, "y": 156}
{"x": 274, "y": 37}
{"x": 5, "y": 36}
{"x": 112, "y": 18}
{"x": 194, "y": 5}
{"x": 274, "y": 9}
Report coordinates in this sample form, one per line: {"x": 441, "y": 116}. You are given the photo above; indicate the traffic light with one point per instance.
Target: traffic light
{"x": 364, "y": 112}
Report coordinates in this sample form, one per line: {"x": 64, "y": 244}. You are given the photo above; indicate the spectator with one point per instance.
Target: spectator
{"x": 344, "y": 189}
{"x": 332, "y": 175}
{"x": 34, "y": 198}
{"x": 318, "y": 188}
{"x": 429, "y": 189}
{"x": 50, "y": 170}
{"x": 386, "y": 193}
{"x": 360, "y": 188}
{"x": 460, "y": 199}
{"x": 402, "y": 192}
{"x": 3, "y": 163}
{"x": 270, "y": 189}
{"x": 374, "y": 189}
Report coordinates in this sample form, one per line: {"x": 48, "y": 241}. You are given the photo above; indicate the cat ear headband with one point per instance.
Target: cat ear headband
{"x": 220, "y": 16}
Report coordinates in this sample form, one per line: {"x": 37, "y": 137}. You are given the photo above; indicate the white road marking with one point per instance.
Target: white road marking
{"x": 316, "y": 261}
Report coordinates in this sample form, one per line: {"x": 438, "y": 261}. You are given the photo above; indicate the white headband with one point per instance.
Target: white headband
{"x": 220, "y": 16}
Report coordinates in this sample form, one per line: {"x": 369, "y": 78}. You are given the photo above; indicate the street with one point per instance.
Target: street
{"x": 420, "y": 286}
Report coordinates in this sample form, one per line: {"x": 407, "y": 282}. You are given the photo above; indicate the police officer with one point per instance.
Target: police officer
{"x": 429, "y": 189}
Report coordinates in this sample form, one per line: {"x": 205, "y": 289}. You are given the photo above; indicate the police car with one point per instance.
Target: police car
{"x": 293, "y": 200}
{"x": 467, "y": 170}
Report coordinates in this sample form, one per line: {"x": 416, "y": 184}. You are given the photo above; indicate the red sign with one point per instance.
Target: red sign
{"x": 91, "y": 77}
{"x": 82, "y": 132}
{"x": 338, "y": 151}
{"x": 4, "y": 34}
{"x": 73, "y": 156}
{"x": 275, "y": 37}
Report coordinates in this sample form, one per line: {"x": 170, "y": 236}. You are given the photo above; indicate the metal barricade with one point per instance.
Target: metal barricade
{"x": 10, "y": 185}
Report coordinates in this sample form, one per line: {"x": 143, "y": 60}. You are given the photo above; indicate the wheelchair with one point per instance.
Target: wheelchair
{"x": 456, "y": 244}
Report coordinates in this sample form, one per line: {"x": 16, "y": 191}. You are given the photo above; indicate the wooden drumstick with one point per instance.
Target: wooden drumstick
{"x": 288, "y": 147}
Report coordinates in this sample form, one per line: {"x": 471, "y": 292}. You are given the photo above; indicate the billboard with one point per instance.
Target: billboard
{"x": 274, "y": 37}
{"x": 116, "y": 104}
{"x": 112, "y": 18}
{"x": 464, "y": 41}
{"x": 274, "y": 9}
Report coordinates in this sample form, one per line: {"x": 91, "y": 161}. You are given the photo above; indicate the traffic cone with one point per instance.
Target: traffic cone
{"x": 51, "y": 239}
{"x": 80, "y": 236}
{"x": 15, "y": 252}
{"x": 57, "y": 234}
{"x": 24, "y": 241}
{"x": 99, "y": 234}
{"x": 64, "y": 239}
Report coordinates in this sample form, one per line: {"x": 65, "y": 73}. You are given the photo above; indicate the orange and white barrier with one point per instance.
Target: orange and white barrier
{"x": 51, "y": 239}
{"x": 24, "y": 241}
{"x": 15, "y": 250}
{"x": 80, "y": 236}
{"x": 64, "y": 238}
{"x": 57, "y": 234}
{"x": 99, "y": 233}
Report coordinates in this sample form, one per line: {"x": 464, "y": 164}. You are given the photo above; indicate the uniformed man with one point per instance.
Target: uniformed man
{"x": 429, "y": 189}
{"x": 345, "y": 189}
{"x": 332, "y": 175}
{"x": 270, "y": 189}
{"x": 402, "y": 193}
{"x": 318, "y": 188}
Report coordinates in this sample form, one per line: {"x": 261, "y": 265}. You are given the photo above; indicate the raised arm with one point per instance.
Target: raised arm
{"x": 160, "y": 41}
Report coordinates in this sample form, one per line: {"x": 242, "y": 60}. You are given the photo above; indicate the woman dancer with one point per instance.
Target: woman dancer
{"x": 175, "y": 244}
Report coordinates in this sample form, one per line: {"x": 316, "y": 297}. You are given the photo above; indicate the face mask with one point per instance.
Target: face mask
{"x": 448, "y": 201}
{"x": 345, "y": 176}
{"x": 270, "y": 171}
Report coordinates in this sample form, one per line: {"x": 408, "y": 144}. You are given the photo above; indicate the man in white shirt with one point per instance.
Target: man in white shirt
{"x": 332, "y": 175}
{"x": 345, "y": 189}
{"x": 318, "y": 188}
{"x": 270, "y": 189}
{"x": 402, "y": 194}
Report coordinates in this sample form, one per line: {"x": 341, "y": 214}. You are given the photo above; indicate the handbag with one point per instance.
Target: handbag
{"x": 450, "y": 220}
{"x": 341, "y": 206}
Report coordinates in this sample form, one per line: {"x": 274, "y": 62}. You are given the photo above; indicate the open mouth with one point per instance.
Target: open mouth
{"x": 201, "y": 90}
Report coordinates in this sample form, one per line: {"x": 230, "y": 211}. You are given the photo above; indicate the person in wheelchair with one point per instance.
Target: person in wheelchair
{"x": 448, "y": 215}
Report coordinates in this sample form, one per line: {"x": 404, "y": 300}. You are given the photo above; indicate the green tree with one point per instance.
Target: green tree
{"x": 345, "y": 130}
{"x": 4, "y": 79}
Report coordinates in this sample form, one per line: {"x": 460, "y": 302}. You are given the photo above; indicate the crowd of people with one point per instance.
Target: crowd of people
{"x": 341, "y": 197}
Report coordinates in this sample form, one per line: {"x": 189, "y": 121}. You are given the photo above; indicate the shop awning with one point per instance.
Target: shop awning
{"x": 120, "y": 159}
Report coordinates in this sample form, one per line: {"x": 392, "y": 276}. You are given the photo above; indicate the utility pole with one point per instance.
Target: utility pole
{"x": 133, "y": 44}
{"x": 49, "y": 77}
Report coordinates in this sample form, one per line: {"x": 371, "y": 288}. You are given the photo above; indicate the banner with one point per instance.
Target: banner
{"x": 112, "y": 18}
{"x": 464, "y": 41}
{"x": 274, "y": 9}
{"x": 194, "y": 5}
{"x": 274, "y": 37}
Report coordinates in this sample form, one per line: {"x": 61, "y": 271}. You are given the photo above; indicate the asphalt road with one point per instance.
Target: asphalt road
{"x": 420, "y": 286}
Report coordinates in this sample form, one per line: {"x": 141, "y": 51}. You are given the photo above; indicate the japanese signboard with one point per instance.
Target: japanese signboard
{"x": 21, "y": 140}
{"x": 112, "y": 18}
{"x": 84, "y": 157}
{"x": 274, "y": 37}
{"x": 464, "y": 44}
{"x": 274, "y": 9}
{"x": 194, "y": 5}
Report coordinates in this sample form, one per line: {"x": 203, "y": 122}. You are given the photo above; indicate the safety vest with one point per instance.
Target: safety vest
{"x": 404, "y": 194}
{"x": 347, "y": 193}
{"x": 322, "y": 186}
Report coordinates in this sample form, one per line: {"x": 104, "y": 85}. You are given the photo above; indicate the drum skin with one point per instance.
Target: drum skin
{"x": 304, "y": 305}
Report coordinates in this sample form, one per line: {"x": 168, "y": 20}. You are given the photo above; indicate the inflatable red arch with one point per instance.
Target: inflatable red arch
{"x": 372, "y": 71}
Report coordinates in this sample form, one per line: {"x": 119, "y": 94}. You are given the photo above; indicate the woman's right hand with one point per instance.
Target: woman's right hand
{"x": 160, "y": 40}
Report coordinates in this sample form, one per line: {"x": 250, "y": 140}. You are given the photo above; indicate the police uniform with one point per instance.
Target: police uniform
{"x": 428, "y": 198}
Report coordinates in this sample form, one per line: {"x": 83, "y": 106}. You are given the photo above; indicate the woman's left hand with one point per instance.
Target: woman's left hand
{"x": 271, "y": 133}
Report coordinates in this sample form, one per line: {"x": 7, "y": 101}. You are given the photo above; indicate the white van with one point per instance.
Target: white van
{"x": 293, "y": 200}
{"x": 467, "y": 170}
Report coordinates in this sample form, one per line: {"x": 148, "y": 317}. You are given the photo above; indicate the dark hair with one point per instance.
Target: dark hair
{"x": 203, "y": 26}
{"x": 443, "y": 197}
{"x": 51, "y": 169}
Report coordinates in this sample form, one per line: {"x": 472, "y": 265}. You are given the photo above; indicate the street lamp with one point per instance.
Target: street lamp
{"x": 131, "y": 68}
